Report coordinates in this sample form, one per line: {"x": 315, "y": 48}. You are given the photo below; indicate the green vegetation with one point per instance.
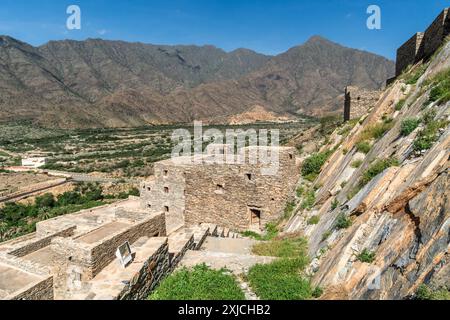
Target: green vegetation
{"x": 399, "y": 106}
{"x": 375, "y": 131}
{"x": 312, "y": 165}
{"x": 428, "y": 135}
{"x": 313, "y": 220}
{"x": 200, "y": 283}
{"x": 300, "y": 191}
{"x": 271, "y": 233}
{"x": 282, "y": 279}
{"x": 366, "y": 256}
{"x": 309, "y": 200}
{"x": 440, "y": 84}
{"x": 424, "y": 292}
{"x": 289, "y": 210}
{"x": 363, "y": 146}
{"x": 356, "y": 163}
{"x": 19, "y": 219}
{"x": 334, "y": 204}
{"x": 326, "y": 235}
{"x": 412, "y": 77}
{"x": 282, "y": 248}
{"x": 343, "y": 222}
{"x": 375, "y": 169}
{"x": 408, "y": 126}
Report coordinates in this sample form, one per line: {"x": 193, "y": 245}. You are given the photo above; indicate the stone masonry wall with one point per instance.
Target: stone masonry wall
{"x": 359, "y": 101}
{"x": 36, "y": 244}
{"x": 408, "y": 53}
{"x": 435, "y": 34}
{"x": 41, "y": 291}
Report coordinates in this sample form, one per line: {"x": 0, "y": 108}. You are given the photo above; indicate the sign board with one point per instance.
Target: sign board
{"x": 124, "y": 255}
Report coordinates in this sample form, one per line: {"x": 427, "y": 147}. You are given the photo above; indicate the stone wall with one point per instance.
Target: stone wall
{"x": 358, "y": 102}
{"x": 39, "y": 243}
{"x": 423, "y": 45}
{"x": 41, "y": 291}
{"x": 408, "y": 53}
{"x": 80, "y": 262}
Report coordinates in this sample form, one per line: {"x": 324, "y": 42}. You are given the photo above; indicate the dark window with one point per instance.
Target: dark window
{"x": 166, "y": 209}
{"x": 149, "y": 205}
{"x": 219, "y": 187}
{"x": 249, "y": 176}
{"x": 149, "y": 188}
{"x": 291, "y": 156}
{"x": 166, "y": 173}
{"x": 166, "y": 190}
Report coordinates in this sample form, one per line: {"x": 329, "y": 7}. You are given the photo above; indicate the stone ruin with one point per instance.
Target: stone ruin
{"x": 423, "y": 45}
{"x": 74, "y": 256}
{"x": 358, "y": 101}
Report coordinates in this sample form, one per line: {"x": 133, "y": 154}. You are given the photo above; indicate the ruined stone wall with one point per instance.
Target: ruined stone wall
{"x": 41, "y": 291}
{"x": 80, "y": 262}
{"x": 39, "y": 243}
{"x": 166, "y": 193}
{"x": 358, "y": 101}
{"x": 224, "y": 194}
{"x": 423, "y": 45}
{"x": 409, "y": 52}
{"x": 435, "y": 34}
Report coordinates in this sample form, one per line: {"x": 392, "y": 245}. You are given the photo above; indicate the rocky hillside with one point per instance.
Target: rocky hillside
{"x": 377, "y": 212}
{"x": 113, "y": 83}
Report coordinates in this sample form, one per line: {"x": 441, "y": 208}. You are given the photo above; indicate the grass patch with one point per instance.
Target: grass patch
{"x": 334, "y": 204}
{"x": 313, "y": 220}
{"x": 375, "y": 131}
{"x": 375, "y": 169}
{"x": 356, "y": 164}
{"x": 309, "y": 200}
{"x": 281, "y": 279}
{"x": 289, "y": 210}
{"x": 326, "y": 235}
{"x": 271, "y": 232}
{"x": 429, "y": 135}
{"x": 281, "y": 248}
{"x": 343, "y": 222}
{"x": 408, "y": 126}
{"x": 312, "y": 165}
{"x": 300, "y": 191}
{"x": 366, "y": 256}
{"x": 440, "y": 87}
{"x": 399, "y": 106}
{"x": 414, "y": 76}
{"x": 426, "y": 293}
{"x": 363, "y": 146}
{"x": 200, "y": 283}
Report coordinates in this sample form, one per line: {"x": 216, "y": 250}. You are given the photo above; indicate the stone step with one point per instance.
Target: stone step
{"x": 212, "y": 228}
{"x": 220, "y": 232}
{"x": 179, "y": 242}
{"x": 200, "y": 233}
{"x": 226, "y": 232}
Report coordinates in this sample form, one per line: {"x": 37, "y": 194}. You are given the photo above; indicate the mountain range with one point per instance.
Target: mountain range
{"x": 99, "y": 83}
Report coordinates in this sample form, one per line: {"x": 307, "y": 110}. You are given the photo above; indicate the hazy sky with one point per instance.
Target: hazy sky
{"x": 265, "y": 26}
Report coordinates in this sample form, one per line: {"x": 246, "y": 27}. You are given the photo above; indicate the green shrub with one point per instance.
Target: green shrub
{"x": 313, "y": 220}
{"x": 200, "y": 283}
{"x": 317, "y": 292}
{"x": 363, "y": 146}
{"x": 334, "y": 204}
{"x": 440, "y": 87}
{"x": 271, "y": 232}
{"x": 375, "y": 169}
{"x": 343, "y": 222}
{"x": 400, "y": 104}
{"x": 356, "y": 163}
{"x": 300, "y": 191}
{"x": 314, "y": 163}
{"x": 426, "y": 293}
{"x": 326, "y": 235}
{"x": 289, "y": 210}
{"x": 428, "y": 136}
{"x": 309, "y": 200}
{"x": 412, "y": 77}
{"x": 408, "y": 126}
{"x": 366, "y": 256}
{"x": 45, "y": 201}
{"x": 375, "y": 131}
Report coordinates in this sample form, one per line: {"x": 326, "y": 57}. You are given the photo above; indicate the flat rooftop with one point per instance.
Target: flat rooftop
{"x": 103, "y": 232}
{"x": 12, "y": 280}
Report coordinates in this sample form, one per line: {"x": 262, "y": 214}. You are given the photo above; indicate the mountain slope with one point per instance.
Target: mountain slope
{"x": 114, "y": 83}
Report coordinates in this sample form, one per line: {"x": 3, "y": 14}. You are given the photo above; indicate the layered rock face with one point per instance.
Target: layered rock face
{"x": 399, "y": 214}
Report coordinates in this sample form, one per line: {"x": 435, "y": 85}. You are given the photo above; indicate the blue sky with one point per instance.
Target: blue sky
{"x": 269, "y": 27}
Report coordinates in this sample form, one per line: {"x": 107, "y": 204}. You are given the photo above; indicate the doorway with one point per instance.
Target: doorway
{"x": 255, "y": 219}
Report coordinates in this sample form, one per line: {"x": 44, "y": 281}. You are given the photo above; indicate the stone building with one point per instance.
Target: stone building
{"x": 234, "y": 195}
{"x": 422, "y": 45}
{"x": 358, "y": 101}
